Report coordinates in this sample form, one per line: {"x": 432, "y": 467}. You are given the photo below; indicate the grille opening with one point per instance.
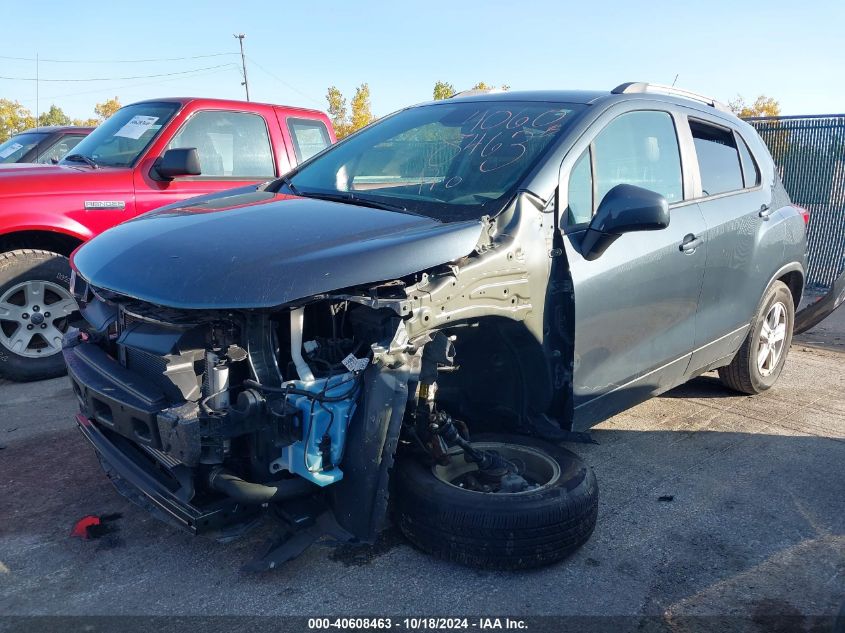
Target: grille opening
{"x": 141, "y": 430}
{"x": 102, "y": 412}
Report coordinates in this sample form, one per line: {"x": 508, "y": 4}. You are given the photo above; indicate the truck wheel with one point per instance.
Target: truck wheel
{"x": 759, "y": 361}
{"x": 35, "y": 304}
{"x": 498, "y": 530}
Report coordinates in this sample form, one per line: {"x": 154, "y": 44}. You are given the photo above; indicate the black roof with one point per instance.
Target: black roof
{"x": 58, "y": 128}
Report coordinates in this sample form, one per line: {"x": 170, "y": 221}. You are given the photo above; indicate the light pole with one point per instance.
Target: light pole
{"x": 240, "y": 37}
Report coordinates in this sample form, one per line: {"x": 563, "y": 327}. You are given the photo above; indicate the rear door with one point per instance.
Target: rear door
{"x": 234, "y": 148}
{"x": 741, "y": 235}
{"x": 635, "y": 305}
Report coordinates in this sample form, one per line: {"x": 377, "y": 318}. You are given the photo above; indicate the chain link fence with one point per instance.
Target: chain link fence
{"x": 809, "y": 152}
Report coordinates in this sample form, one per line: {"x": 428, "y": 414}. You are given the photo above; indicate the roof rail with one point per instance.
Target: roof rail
{"x": 635, "y": 87}
{"x": 476, "y": 91}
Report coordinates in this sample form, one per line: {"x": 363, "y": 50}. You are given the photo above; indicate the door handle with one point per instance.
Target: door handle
{"x": 765, "y": 212}
{"x": 690, "y": 243}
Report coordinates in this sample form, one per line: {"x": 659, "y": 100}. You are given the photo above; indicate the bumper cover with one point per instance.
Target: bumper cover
{"x": 118, "y": 419}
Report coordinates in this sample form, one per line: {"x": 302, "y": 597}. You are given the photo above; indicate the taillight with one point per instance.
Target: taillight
{"x": 804, "y": 213}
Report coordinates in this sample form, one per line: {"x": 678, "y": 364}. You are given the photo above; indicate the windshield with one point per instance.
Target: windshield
{"x": 13, "y": 150}
{"x": 122, "y": 137}
{"x": 450, "y": 161}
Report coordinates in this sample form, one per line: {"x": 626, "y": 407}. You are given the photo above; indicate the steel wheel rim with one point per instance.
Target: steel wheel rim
{"x": 772, "y": 339}
{"x": 33, "y": 318}
{"x": 539, "y": 466}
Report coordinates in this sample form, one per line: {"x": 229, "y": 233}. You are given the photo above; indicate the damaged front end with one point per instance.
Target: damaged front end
{"x": 214, "y": 415}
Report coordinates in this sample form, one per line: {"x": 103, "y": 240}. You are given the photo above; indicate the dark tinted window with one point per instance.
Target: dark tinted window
{"x": 639, "y": 148}
{"x": 718, "y": 159}
{"x": 309, "y": 137}
{"x": 750, "y": 173}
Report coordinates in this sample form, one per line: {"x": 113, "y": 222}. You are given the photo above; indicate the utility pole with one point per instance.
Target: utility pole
{"x": 240, "y": 37}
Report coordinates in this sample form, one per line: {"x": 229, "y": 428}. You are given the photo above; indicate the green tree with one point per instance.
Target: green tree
{"x": 54, "y": 116}
{"x": 762, "y": 106}
{"x": 337, "y": 111}
{"x": 14, "y": 118}
{"x": 105, "y": 109}
{"x": 443, "y": 90}
{"x": 362, "y": 114}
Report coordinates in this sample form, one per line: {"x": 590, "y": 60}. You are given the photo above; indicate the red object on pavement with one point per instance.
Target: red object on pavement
{"x": 80, "y": 529}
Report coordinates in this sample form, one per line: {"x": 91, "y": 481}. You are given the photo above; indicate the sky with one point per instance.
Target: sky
{"x": 794, "y": 52}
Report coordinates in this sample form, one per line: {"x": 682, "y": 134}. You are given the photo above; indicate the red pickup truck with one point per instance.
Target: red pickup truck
{"x": 145, "y": 156}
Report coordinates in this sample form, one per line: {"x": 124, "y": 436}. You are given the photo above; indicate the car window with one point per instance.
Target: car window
{"x": 229, "y": 144}
{"x": 580, "y": 203}
{"x": 57, "y": 150}
{"x": 13, "y": 150}
{"x": 451, "y": 160}
{"x": 718, "y": 159}
{"x": 639, "y": 148}
{"x": 750, "y": 171}
{"x": 309, "y": 137}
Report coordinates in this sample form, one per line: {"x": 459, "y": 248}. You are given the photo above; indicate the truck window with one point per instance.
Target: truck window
{"x": 123, "y": 137}
{"x": 309, "y": 137}
{"x": 229, "y": 144}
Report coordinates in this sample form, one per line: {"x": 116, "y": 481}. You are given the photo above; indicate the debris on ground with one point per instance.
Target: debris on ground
{"x": 666, "y": 498}
{"x": 92, "y": 526}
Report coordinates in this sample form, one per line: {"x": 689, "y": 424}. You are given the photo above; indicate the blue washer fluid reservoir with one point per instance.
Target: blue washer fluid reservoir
{"x": 319, "y": 420}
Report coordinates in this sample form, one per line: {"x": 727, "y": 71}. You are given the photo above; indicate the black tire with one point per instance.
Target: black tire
{"x": 743, "y": 374}
{"x": 498, "y": 531}
{"x": 17, "y": 267}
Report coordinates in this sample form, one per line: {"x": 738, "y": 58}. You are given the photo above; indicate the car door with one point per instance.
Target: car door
{"x": 635, "y": 305}
{"x": 741, "y": 235}
{"x": 234, "y": 149}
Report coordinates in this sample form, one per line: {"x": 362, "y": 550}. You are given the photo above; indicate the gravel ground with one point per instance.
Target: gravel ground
{"x": 756, "y": 525}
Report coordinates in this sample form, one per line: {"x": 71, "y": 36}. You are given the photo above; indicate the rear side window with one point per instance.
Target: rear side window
{"x": 750, "y": 172}
{"x": 718, "y": 158}
{"x": 639, "y": 148}
{"x": 309, "y": 137}
{"x": 229, "y": 144}
{"x": 58, "y": 150}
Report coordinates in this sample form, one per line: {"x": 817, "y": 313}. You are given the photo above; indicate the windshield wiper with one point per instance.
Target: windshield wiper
{"x": 350, "y": 198}
{"x": 285, "y": 180}
{"x": 80, "y": 158}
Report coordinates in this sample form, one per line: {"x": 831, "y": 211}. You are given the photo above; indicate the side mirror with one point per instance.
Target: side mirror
{"x": 624, "y": 209}
{"x": 179, "y": 161}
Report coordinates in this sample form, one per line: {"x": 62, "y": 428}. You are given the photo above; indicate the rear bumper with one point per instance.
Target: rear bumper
{"x": 817, "y": 312}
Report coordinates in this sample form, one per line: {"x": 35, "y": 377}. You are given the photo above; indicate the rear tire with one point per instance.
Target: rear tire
{"x": 498, "y": 530}
{"x": 756, "y": 366}
{"x": 35, "y": 304}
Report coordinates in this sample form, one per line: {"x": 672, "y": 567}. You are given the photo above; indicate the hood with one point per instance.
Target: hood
{"x": 29, "y": 178}
{"x": 256, "y": 249}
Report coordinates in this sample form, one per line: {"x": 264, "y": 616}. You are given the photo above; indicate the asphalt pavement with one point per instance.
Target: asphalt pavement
{"x": 752, "y": 521}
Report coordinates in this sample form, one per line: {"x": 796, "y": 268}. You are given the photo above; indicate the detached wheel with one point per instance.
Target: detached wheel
{"x": 498, "y": 530}
{"x": 35, "y": 304}
{"x": 760, "y": 360}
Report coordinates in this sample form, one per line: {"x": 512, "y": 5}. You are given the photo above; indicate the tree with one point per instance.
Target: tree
{"x": 105, "y": 109}
{"x": 14, "y": 118}
{"x": 337, "y": 111}
{"x": 763, "y": 106}
{"x": 443, "y": 90}
{"x": 362, "y": 114}
{"x": 54, "y": 116}
{"x": 86, "y": 122}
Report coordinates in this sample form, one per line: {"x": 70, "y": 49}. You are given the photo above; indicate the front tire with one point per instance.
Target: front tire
{"x": 760, "y": 360}
{"x": 498, "y": 530}
{"x": 35, "y": 305}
